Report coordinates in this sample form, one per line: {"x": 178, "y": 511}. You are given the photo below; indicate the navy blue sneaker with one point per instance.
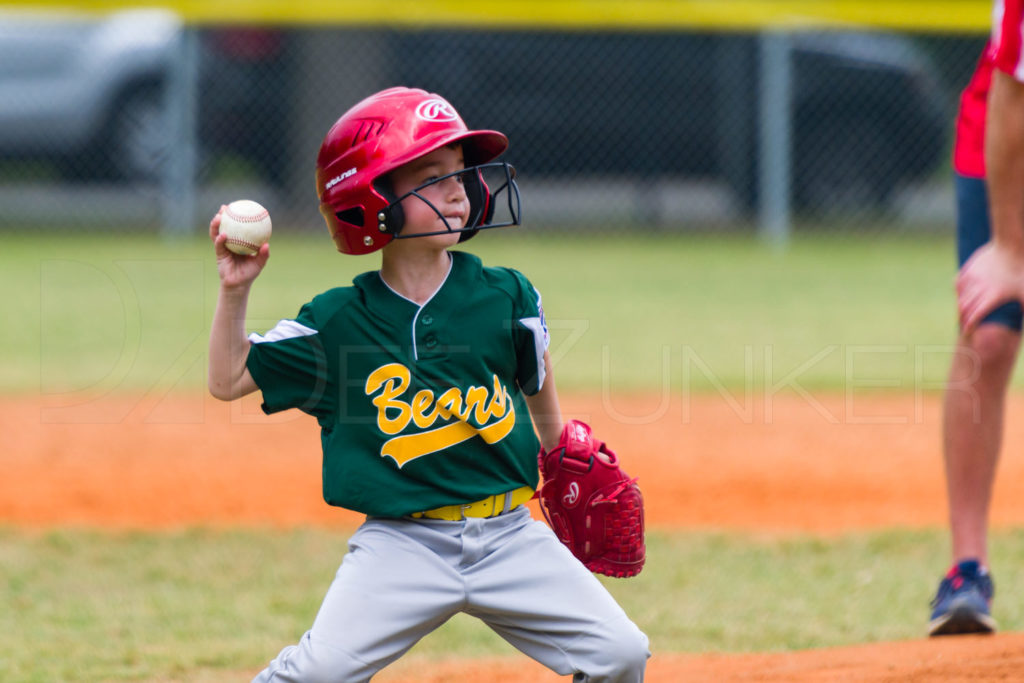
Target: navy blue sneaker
{"x": 963, "y": 601}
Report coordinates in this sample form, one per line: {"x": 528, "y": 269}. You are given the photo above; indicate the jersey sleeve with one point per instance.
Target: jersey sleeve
{"x": 289, "y": 365}
{"x": 530, "y": 336}
{"x": 1007, "y": 33}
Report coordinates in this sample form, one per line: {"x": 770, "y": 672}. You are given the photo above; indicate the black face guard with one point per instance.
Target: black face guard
{"x": 482, "y": 202}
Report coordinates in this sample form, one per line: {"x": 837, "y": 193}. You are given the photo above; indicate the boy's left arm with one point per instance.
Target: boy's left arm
{"x": 544, "y": 409}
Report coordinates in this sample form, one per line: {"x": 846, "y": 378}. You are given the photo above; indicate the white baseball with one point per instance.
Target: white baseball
{"x": 247, "y": 225}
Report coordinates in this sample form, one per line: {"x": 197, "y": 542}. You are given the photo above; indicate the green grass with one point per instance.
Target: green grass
{"x": 99, "y": 313}
{"x": 90, "y": 606}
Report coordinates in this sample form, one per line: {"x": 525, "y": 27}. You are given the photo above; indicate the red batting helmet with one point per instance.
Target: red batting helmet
{"x": 383, "y": 132}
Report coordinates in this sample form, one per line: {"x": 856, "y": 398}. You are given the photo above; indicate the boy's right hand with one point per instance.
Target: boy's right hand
{"x": 235, "y": 270}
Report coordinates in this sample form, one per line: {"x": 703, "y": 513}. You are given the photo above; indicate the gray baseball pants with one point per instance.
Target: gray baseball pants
{"x": 403, "y": 578}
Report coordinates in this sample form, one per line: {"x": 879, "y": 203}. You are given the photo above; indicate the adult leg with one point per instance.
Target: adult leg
{"x": 529, "y": 588}
{"x": 973, "y": 414}
{"x": 975, "y": 397}
{"x": 972, "y": 430}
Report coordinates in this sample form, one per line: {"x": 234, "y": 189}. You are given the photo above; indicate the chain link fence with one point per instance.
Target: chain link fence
{"x": 139, "y": 121}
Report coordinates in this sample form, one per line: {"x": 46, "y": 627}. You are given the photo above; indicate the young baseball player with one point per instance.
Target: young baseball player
{"x": 424, "y": 376}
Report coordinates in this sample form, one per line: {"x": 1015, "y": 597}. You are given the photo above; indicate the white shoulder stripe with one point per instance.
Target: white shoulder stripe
{"x": 285, "y": 329}
{"x": 541, "y": 339}
{"x": 540, "y": 344}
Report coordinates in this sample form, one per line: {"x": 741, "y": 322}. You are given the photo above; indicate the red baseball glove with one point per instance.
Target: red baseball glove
{"x": 593, "y": 507}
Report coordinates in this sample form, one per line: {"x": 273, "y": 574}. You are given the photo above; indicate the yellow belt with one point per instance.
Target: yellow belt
{"x": 491, "y": 506}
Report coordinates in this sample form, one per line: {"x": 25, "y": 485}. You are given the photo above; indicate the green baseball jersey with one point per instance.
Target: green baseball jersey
{"x": 419, "y": 406}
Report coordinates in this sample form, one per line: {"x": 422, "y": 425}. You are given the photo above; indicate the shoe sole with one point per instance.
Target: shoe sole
{"x": 960, "y": 620}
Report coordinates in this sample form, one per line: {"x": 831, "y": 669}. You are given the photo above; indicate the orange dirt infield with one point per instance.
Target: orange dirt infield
{"x": 965, "y": 658}
{"x": 779, "y": 463}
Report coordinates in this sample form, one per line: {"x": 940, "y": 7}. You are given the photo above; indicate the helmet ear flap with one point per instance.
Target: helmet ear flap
{"x": 391, "y": 218}
{"x": 481, "y": 202}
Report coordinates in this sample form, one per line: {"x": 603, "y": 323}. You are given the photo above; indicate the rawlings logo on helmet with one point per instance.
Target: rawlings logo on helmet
{"x": 436, "y": 109}
{"x": 337, "y": 179}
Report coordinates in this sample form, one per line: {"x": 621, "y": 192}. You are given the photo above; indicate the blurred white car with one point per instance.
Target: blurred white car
{"x": 74, "y": 85}
{"x": 88, "y": 92}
